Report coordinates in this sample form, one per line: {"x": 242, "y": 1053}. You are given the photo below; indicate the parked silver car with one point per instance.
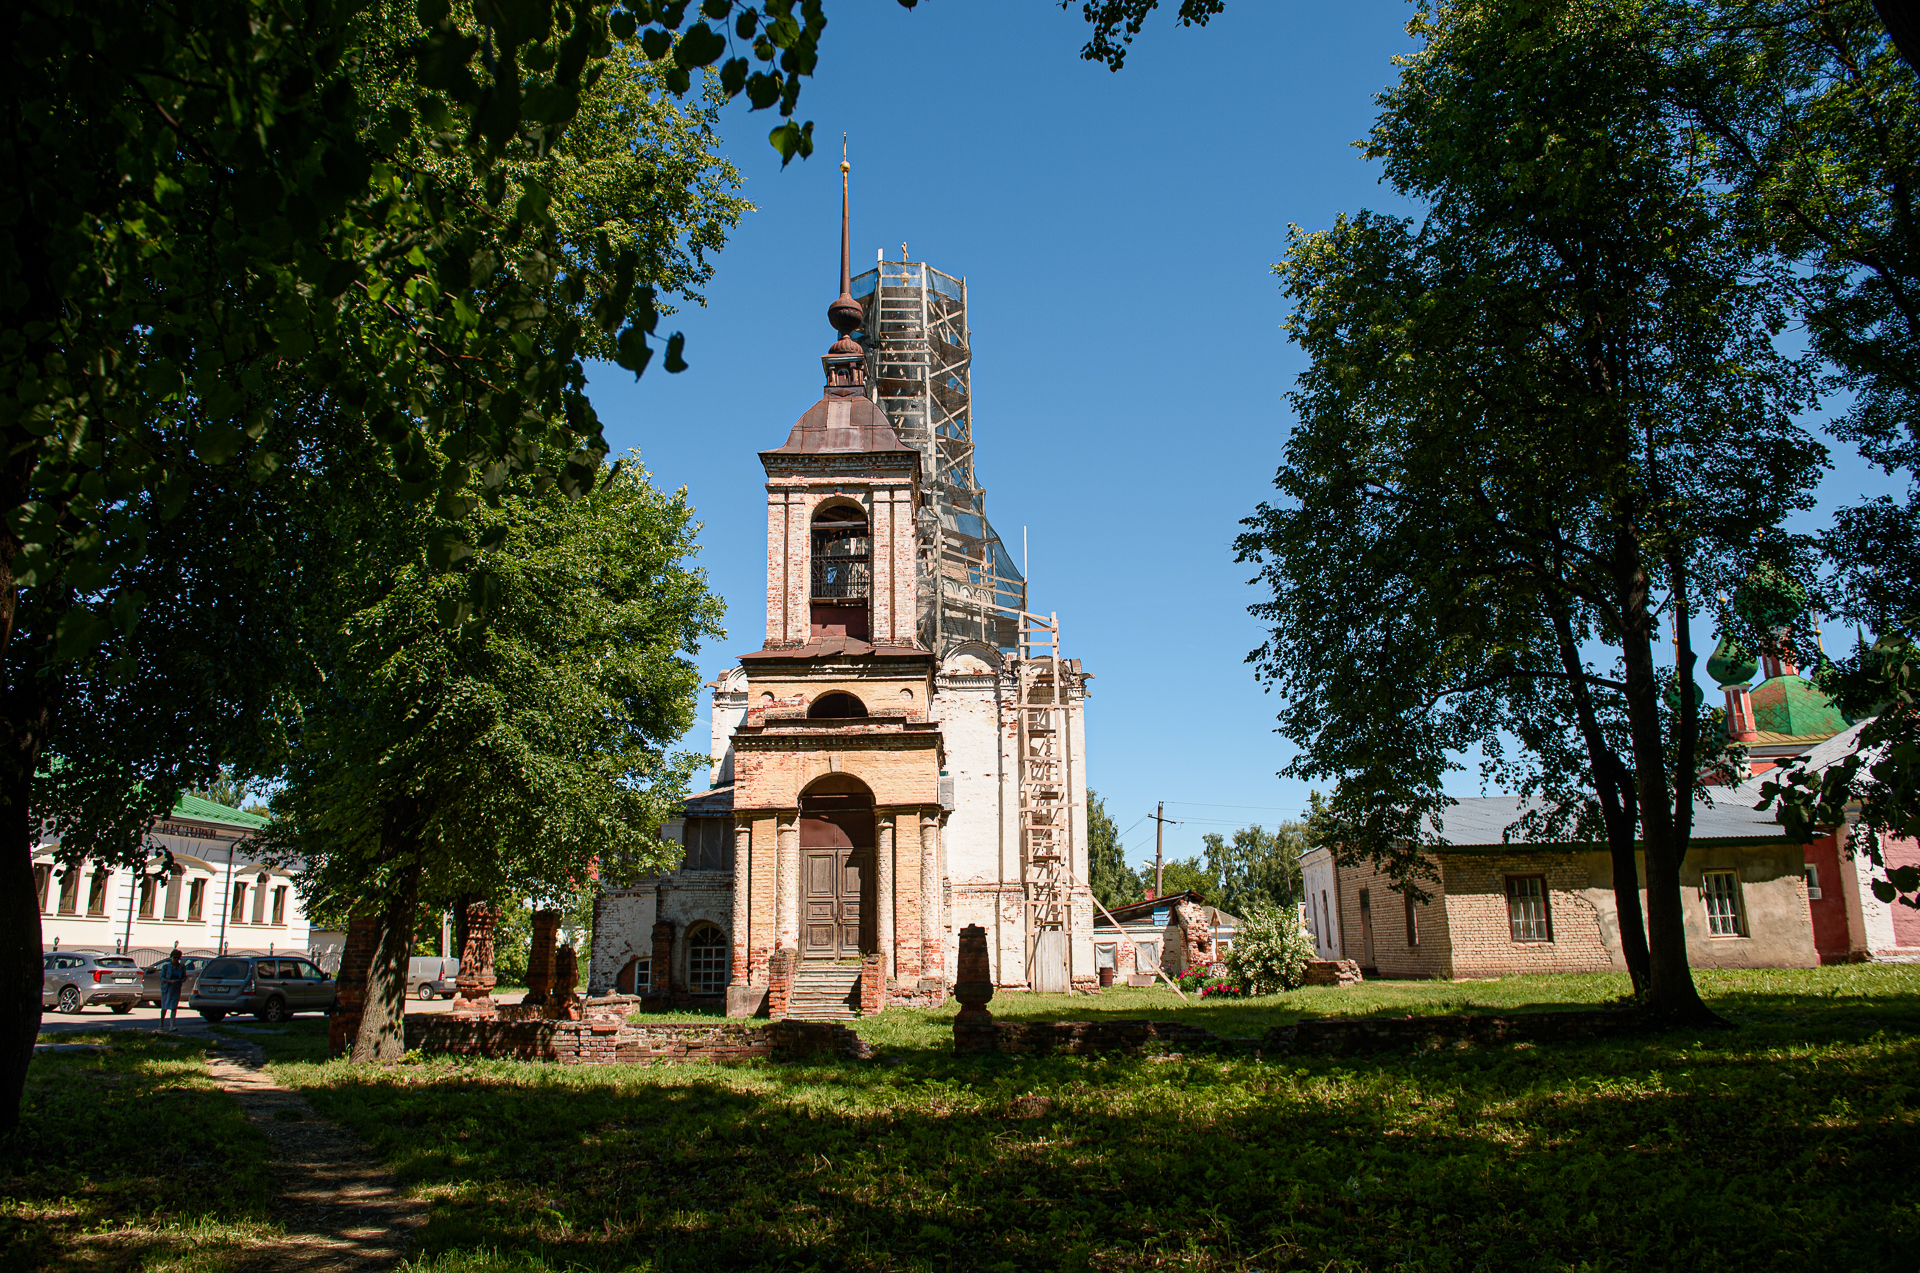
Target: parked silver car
{"x": 271, "y": 987}
{"x": 70, "y": 980}
{"x": 150, "y": 986}
{"x": 432, "y": 977}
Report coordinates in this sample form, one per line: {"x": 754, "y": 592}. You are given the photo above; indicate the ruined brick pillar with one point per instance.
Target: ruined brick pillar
{"x": 476, "y": 980}
{"x": 779, "y": 982}
{"x": 662, "y": 986}
{"x": 562, "y": 1003}
{"x": 356, "y": 959}
{"x": 546, "y": 930}
{"x": 973, "y": 1028}
{"x": 873, "y": 984}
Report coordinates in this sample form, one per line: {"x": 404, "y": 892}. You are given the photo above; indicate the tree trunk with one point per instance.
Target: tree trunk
{"x": 1903, "y": 24}
{"x": 1671, "y": 993}
{"x": 1613, "y": 788}
{"x": 382, "y": 1036}
{"x": 20, "y": 959}
{"x": 20, "y": 931}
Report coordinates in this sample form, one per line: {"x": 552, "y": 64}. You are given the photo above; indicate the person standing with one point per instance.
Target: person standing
{"x": 173, "y": 974}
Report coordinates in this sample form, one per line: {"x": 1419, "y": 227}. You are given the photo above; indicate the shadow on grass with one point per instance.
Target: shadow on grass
{"x": 1746, "y": 1149}
{"x": 130, "y": 1158}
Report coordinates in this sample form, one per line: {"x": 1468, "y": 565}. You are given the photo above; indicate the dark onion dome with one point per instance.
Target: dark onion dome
{"x": 1730, "y": 666}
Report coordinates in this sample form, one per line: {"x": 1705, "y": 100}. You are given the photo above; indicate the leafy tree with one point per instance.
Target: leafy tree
{"x": 1189, "y": 875}
{"x": 491, "y": 759}
{"x": 1111, "y": 879}
{"x": 1271, "y": 951}
{"x": 1818, "y": 116}
{"x": 228, "y": 219}
{"x": 1257, "y": 867}
{"x": 1547, "y": 417}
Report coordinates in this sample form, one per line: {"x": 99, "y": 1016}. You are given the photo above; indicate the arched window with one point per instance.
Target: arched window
{"x": 842, "y": 571}
{"x": 836, "y": 706}
{"x": 707, "y": 960}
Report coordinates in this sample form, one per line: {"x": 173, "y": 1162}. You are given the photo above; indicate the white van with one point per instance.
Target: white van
{"x": 431, "y": 977}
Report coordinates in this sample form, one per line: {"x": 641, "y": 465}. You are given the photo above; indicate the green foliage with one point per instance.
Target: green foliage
{"x": 227, "y": 788}
{"x": 1271, "y": 952}
{"x": 1534, "y": 421}
{"x": 1494, "y": 1157}
{"x": 1257, "y": 867}
{"x": 503, "y": 760}
{"x": 1189, "y": 875}
{"x": 1112, "y": 880}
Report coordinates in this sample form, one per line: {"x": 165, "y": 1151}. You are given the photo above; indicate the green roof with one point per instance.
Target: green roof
{"x": 1791, "y": 705}
{"x": 201, "y": 810}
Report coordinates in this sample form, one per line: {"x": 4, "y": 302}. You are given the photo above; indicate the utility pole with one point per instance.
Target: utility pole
{"x": 1159, "y": 841}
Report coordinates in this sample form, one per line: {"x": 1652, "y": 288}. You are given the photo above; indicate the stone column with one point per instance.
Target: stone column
{"x": 743, "y": 998}
{"x": 883, "y": 892}
{"x": 476, "y": 979}
{"x": 742, "y": 899}
{"x": 932, "y": 926}
{"x": 787, "y": 897}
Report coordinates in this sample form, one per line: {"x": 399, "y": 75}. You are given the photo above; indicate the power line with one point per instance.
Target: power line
{"x": 1266, "y": 808}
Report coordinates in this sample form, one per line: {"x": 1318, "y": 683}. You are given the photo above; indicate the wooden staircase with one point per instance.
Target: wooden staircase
{"x": 824, "y": 990}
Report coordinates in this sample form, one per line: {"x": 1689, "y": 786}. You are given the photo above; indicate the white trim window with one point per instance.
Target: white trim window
{"x": 1720, "y": 890}
{"x": 1813, "y": 882}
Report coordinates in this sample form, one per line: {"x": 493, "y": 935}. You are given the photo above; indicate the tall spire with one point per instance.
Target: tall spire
{"x": 846, "y": 360}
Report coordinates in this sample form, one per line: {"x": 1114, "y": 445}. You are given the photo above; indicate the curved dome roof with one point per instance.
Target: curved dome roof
{"x": 843, "y": 421}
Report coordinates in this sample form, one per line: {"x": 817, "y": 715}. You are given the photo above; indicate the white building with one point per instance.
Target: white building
{"x": 218, "y": 897}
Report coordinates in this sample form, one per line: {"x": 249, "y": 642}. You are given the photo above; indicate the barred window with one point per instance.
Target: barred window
{"x": 1722, "y": 893}
{"x": 1528, "y": 917}
{"x": 707, "y": 960}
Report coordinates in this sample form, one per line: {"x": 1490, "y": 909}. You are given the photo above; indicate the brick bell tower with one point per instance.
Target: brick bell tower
{"x": 836, "y": 800}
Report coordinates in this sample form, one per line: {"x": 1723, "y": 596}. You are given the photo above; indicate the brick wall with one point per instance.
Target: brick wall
{"x": 1430, "y": 955}
{"x": 779, "y": 982}
{"x": 1483, "y": 945}
{"x": 603, "y": 1040}
{"x": 873, "y": 985}
{"x": 1332, "y": 972}
{"x": 1326, "y": 1036}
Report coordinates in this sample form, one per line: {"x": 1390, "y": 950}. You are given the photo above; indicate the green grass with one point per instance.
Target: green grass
{"x": 1778, "y": 1144}
{"x": 131, "y": 1158}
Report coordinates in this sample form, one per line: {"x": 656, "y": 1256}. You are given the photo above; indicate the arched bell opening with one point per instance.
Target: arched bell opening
{"x": 838, "y": 705}
{"x": 836, "y": 869}
{"x": 842, "y": 575}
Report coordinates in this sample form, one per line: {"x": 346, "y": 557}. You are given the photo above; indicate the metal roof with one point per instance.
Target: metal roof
{"x": 1482, "y": 821}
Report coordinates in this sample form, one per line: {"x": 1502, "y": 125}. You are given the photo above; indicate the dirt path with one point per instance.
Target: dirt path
{"x": 342, "y": 1212}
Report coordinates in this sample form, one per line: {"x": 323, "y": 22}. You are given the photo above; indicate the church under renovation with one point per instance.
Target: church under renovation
{"x": 904, "y": 754}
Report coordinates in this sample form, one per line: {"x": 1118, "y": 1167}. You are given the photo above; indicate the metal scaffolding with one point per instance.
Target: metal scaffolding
{"x": 1045, "y": 743}
{"x": 920, "y": 366}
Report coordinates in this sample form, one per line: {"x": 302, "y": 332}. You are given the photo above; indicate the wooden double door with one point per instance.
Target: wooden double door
{"x": 837, "y": 908}
{"x": 835, "y": 884}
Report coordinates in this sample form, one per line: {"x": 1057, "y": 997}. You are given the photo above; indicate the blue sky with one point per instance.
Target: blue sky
{"x": 1129, "y": 372}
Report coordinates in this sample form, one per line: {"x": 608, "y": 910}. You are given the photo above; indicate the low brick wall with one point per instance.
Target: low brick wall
{"x": 1322, "y": 1036}
{"x": 605, "y": 1040}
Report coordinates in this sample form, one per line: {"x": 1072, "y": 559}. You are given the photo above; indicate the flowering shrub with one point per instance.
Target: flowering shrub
{"x": 1218, "y": 987}
{"x": 1271, "y": 952}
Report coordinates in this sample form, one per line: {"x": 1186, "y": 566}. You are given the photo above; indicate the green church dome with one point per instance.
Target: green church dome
{"x": 1730, "y": 666}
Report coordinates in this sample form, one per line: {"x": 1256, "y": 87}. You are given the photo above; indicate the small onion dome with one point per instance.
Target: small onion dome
{"x": 1769, "y": 598}
{"x": 845, "y": 314}
{"x": 1730, "y": 666}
